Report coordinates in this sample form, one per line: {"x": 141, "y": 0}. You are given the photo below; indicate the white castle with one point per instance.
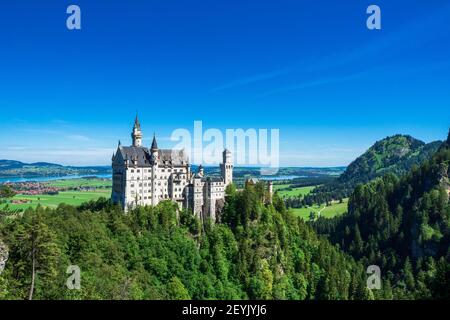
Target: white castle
{"x": 145, "y": 177}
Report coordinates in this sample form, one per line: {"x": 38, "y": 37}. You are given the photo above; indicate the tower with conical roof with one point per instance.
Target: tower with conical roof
{"x": 154, "y": 144}
{"x": 226, "y": 167}
{"x": 136, "y": 134}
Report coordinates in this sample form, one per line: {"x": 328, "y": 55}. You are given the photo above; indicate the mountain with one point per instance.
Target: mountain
{"x": 396, "y": 154}
{"x": 402, "y": 225}
{"x": 12, "y": 169}
{"x": 12, "y": 164}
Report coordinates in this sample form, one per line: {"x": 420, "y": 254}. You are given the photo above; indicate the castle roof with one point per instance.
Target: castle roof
{"x": 173, "y": 157}
{"x": 212, "y": 179}
{"x": 143, "y": 156}
{"x": 154, "y": 144}
{"x": 252, "y": 181}
{"x": 137, "y": 124}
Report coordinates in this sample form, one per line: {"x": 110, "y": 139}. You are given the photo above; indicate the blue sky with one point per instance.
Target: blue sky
{"x": 309, "y": 68}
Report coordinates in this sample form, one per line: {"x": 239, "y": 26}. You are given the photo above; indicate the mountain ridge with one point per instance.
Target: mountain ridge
{"x": 395, "y": 154}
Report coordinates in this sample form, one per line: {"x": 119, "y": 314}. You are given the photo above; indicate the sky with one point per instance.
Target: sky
{"x": 311, "y": 69}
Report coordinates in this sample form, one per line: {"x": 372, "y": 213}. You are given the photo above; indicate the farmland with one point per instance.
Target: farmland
{"x": 74, "y": 198}
{"x": 51, "y": 194}
{"x": 285, "y": 190}
{"x": 334, "y": 209}
{"x": 81, "y": 183}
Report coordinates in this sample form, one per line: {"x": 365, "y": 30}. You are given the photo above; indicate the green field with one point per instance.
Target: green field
{"x": 74, "y": 183}
{"x": 292, "y": 192}
{"x": 334, "y": 209}
{"x": 74, "y": 198}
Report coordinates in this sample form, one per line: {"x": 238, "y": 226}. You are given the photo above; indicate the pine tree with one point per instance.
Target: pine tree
{"x": 36, "y": 248}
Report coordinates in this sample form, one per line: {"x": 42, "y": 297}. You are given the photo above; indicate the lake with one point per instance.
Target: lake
{"x": 109, "y": 176}
{"x": 46, "y": 179}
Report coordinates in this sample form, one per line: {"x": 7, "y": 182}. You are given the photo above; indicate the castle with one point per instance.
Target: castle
{"x": 145, "y": 177}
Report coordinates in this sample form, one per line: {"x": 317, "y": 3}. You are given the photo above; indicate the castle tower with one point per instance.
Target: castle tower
{"x": 154, "y": 147}
{"x": 154, "y": 159}
{"x": 136, "y": 135}
{"x": 270, "y": 189}
{"x": 201, "y": 171}
{"x": 227, "y": 168}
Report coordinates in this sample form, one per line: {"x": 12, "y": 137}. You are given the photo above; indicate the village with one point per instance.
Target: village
{"x": 22, "y": 193}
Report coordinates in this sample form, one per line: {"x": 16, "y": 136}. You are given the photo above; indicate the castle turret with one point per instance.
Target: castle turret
{"x": 270, "y": 189}
{"x": 154, "y": 144}
{"x": 136, "y": 135}
{"x": 201, "y": 171}
{"x": 227, "y": 168}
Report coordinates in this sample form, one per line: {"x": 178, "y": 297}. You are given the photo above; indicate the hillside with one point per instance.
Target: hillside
{"x": 259, "y": 251}
{"x": 402, "y": 225}
{"x": 396, "y": 155}
{"x": 11, "y": 168}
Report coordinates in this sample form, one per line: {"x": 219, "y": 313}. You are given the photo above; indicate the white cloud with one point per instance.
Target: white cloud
{"x": 78, "y": 137}
{"x": 75, "y": 157}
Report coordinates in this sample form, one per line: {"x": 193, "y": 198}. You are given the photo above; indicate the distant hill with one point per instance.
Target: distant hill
{"x": 402, "y": 223}
{"x": 12, "y": 164}
{"x": 396, "y": 154}
{"x": 12, "y": 168}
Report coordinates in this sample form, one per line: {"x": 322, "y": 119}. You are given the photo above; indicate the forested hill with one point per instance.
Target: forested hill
{"x": 259, "y": 251}
{"x": 13, "y": 169}
{"x": 396, "y": 154}
{"x": 402, "y": 225}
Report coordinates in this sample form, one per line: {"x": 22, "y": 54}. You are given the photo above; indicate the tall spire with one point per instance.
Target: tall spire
{"x": 136, "y": 134}
{"x": 154, "y": 144}
{"x": 137, "y": 124}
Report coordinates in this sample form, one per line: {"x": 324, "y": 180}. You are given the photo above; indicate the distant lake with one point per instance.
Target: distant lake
{"x": 275, "y": 178}
{"x": 46, "y": 179}
{"x": 109, "y": 176}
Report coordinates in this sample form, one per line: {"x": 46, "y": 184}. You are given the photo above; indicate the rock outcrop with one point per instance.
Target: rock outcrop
{"x": 3, "y": 255}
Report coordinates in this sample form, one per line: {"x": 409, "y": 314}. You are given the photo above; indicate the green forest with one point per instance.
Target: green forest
{"x": 259, "y": 250}
{"x": 392, "y": 155}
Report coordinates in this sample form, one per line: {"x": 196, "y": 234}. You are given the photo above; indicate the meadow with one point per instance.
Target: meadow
{"x": 334, "y": 209}
{"x": 98, "y": 188}
{"x": 84, "y": 182}
{"x": 285, "y": 191}
{"x": 74, "y": 198}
